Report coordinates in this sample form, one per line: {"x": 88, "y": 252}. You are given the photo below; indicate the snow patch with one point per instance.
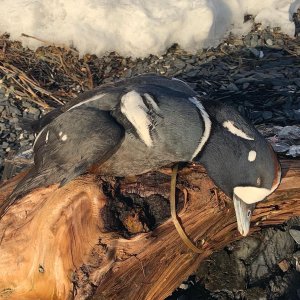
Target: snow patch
{"x": 138, "y": 27}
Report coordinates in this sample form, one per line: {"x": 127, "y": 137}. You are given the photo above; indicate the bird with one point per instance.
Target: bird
{"x": 144, "y": 123}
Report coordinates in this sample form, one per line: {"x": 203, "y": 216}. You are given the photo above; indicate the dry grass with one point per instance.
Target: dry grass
{"x": 48, "y": 76}
{"x": 51, "y": 75}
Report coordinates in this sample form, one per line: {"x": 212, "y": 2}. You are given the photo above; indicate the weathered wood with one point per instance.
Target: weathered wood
{"x": 57, "y": 244}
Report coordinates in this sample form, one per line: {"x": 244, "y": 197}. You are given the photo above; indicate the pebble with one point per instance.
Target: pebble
{"x": 294, "y": 151}
{"x": 257, "y": 53}
{"x": 296, "y": 256}
{"x": 284, "y": 265}
{"x": 179, "y": 64}
{"x": 295, "y": 233}
{"x": 267, "y": 115}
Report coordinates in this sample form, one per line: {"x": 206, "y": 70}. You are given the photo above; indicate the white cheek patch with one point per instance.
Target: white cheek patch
{"x": 207, "y": 126}
{"x": 229, "y": 125}
{"x": 64, "y": 137}
{"x": 60, "y": 133}
{"x": 135, "y": 110}
{"x": 252, "y": 155}
{"x": 251, "y": 194}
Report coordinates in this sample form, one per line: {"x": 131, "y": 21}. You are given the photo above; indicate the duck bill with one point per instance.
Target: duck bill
{"x": 243, "y": 212}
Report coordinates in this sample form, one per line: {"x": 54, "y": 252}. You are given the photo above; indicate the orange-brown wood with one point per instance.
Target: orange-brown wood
{"x": 54, "y": 243}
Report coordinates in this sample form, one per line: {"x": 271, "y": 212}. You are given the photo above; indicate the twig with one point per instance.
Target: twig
{"x": 49, "y": 43}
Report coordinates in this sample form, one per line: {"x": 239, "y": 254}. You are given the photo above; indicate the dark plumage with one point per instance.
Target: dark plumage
{"x": 143, "y": 123}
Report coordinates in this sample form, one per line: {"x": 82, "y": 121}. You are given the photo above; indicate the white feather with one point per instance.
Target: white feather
{"x": 229, "y": 125}
{"x": 152, "y": 102}
{"x": 94, "y": 98}
{"x": 37, "y": 137}
{"x": 135, "y": 110}
{"x": 207, "y": 126}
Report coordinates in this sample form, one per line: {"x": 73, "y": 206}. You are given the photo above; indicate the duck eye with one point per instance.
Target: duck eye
{"x": 249, "y": 213}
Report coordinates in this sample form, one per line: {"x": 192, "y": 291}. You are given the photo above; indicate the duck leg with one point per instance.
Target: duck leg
{"x": 175, "y": 220}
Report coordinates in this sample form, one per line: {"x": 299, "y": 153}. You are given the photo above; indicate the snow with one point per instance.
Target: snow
{"x": 138, "y": 27}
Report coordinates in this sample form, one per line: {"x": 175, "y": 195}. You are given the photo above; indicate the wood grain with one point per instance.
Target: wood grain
{"x": 55, "y": 243}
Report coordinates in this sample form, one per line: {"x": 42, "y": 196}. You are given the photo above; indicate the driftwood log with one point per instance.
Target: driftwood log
{"x": 114, "y": 239}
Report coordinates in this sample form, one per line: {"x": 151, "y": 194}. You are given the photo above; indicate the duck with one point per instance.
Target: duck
{"x": 144, "y": 123}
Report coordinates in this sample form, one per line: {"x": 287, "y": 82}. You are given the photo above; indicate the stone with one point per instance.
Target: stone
{"x": 294, "y": 151}
{"x": 257, "y": 53}
{"x": 223, "y": 272}
{"x": 267, "y": 115}
{"x": 296, "y": 256}
{"x": 179, "y": 64}
{"x": 284, "y": 265}
{"x": 280, "y": 147}
{"x": 256, "y": 293}
{"x": 274, "y": 248}
{"x": 289, "y": 132}
{"x": 232, "y": 87}
{"x": 295, "y": 233}
{"x": 246, "y": 247}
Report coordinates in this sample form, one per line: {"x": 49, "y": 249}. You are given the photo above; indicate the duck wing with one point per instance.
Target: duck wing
{"x": 68, "y": 146}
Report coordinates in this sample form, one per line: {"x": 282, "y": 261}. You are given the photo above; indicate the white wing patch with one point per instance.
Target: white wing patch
{"x": 94, "y": 98}
{"x": 135, "y": 110}
{"x": 207, "y": 126}
{"x": 229, "y": 125}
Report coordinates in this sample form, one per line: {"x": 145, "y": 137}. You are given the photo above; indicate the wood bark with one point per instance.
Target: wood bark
{"x": 114, "y": 239}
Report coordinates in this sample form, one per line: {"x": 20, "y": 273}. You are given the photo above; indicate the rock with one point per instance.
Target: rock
{"x": 289, "y": 132}
{"x": 296, "y": 256}
{"x": 179, "y": 64}
{"x": 256, "y": 293}
{"x": 274, "y": 248}
{"x": 254, "y": 40}
{"x": 4, "y": 145}
{"x": 267, "y": 115}
{"x": 223, "y": 272}
{"x": 232, "y": 87}
{"x": 284, "y": 265}
{"x": 257, "y": 53}
{"x": 280, "y": 147}
{"x": 34, "y": 111}
{"x": 295, "y": 233}
{"x": 269, "y": 42}
{"x": 246, "y": 247}
{"x": 297, "y": 114}
{"x": 184, "y": 286}
{"x": 294, "y": 151}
